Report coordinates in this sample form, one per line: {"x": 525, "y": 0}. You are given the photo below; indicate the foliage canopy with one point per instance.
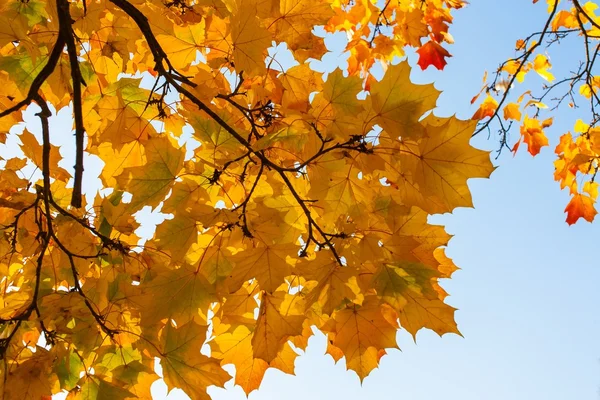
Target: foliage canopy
{"x": 304, "y": 205}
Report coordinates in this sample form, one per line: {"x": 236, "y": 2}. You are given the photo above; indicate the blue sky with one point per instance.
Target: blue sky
{"x": 527, "y": 293}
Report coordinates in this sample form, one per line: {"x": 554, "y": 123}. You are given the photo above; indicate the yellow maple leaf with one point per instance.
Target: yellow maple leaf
{"x": 280, "y": 317}
{"x": 269, "y": 265}
{"x": 436, "y": 168}
{"x": 183, "y": 365}
{"x": 149, "y": 183}
{"x": 533, "y": 135}
{"x": 249, "y": 41}
{"x": 236, "y": 348}
{"x": 363, "y": 333}
{"x": 334, "y": 283}
{"x": 33, "y": 150}
{"x": 395, "y": 102}
{"x": 541, "y": 65}
{"x": 183, "y": 45}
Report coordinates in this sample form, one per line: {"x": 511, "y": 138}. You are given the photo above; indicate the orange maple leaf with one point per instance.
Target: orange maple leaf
{"x": 486, "y": 109}
{"x": 580, "y": 206}
{"x": 533, "y": 135}
{"x": 432, "y": 53}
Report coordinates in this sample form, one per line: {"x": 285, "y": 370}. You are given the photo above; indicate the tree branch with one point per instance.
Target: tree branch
{"x": 68, "y": 36}
{"x": 160, "y": 57}
{"x": 523, "y": 59}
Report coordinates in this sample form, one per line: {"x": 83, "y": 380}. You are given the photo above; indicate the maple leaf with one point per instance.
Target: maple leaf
{"x": 299, "y": 82}
{"x": 296, "y": 20}
{"x": 335, "y": 283}
{"x": 363, "y": 333}
{"x": 533, "y": 135}
{"x": 541, "y": 65}
{"x": 431, "y": 165}
{"x": 580, "y": 206}
{"x": 191, "y": 290}
{"x": 182, "y": 46}
{"x": 432, "y": 53}
{"x": 336, "y": 106}
{"x": 236, "y": 348}
{"x": 97, "y": 388}
{"x": 395, "y": 102}
{"x": 486, "y": 109}
{"x": 31, "y": 379}
{"x": 428, "y": 313}
{"x": 152, "y": 181}
{"x": 412, "y": 28}
{"x": 177, "y": 235}
{"x": 511, "y": 111}
{"x": 393, "y": 282}
{"x": 183, "y": 365}
{"x": 250, "y": 41}
{"x": 33, "y": 150}
{"x": 280, "y": 316}
{"x": 269, "y": 265}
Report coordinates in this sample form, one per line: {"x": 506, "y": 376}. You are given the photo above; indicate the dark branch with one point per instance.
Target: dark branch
{"x": 160, "y": 58}
{"x": 68, "y": 36}
{"x": 522, "y": 60}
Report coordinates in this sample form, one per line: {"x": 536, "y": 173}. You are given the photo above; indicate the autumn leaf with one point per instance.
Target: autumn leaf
{"x": 336, "y": 106}
{"x": 396, "y": 101}
{"x": 432, "y": 53}
{"x": 183, "y": 365}
{"x": 152, "y": 181}
{"x": 280, "y": 316}
{"x": 533, "y": 135}
{"x": 434, "y": 161}
{"x": 177, "y": 235}
{"x": 511, "y": 111}
{"x": 299, "y": 82}
{"x": 363, "y": 333}
{"x": 31, "y": 379}
{"x": 236, "y": 348}
{"x": 580, "y": 206}
{"x": 96, "y": 388}
{"x": 158, "y": 292}
{"x": 486, "y": 109}
{"x": 428, "y": 313}
{"x": 335, "y": 283}
{"x": 541, "y": 65}
{"x": 33, "y": 150}
{"x": 269, "y": 265}
{"x": 412, "y": 28}
{"x": 184, "y": 44}
{"x": 249, "y": 41}
{"x": 295, "y": 22}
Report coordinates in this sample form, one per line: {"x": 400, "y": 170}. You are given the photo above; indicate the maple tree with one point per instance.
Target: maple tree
{"x": 303, "y": 204}
{"x": 532, "y": 111}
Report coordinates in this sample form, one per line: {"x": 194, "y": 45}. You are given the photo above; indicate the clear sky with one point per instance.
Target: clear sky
{"x": 527, "y": 293}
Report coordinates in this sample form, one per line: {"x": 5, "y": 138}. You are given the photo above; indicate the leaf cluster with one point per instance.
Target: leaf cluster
{"x": 302, "y": 205}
